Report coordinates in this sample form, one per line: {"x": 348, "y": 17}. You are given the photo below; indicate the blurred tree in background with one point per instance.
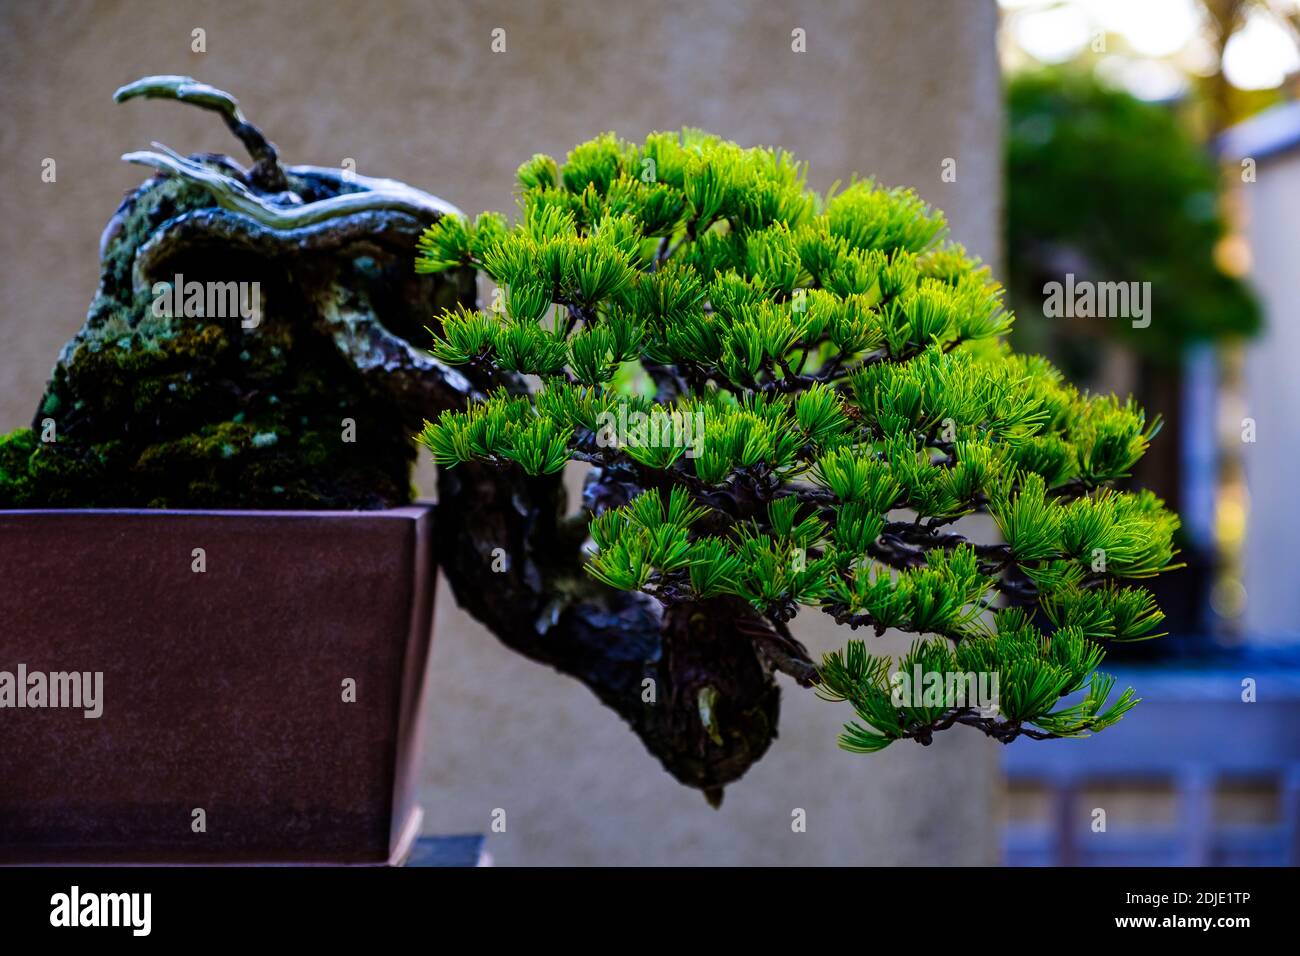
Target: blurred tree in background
{"x": 1113, "y": 110}
{"x": 1111, "y": 188}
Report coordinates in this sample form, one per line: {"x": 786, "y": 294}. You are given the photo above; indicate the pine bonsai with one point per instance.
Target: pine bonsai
{"x": 788, "y": 401}
{"x": 781, "y": 401}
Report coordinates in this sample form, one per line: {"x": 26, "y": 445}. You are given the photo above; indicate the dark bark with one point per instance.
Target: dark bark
{"x": 688, "y": 678}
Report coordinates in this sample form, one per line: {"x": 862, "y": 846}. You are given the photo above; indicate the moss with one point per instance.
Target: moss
{"x": 169, "y": 414}
{"x": 16, "y": 449}
{"x": 174, "y": 412}
{"x": 191, "y": 420}
{"x": 136, "y": 219}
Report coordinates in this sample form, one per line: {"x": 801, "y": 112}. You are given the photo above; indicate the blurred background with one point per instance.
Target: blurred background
{"x": 1107, "y": 139}
{"x": 1160, "y": 142}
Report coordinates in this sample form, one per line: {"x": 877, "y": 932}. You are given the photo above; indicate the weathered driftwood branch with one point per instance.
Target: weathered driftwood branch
{"x": 266, "y": 174}
{"x": 229, "y": 193}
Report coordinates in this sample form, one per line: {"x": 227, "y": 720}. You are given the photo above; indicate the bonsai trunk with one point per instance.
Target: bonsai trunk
{"x": 689, "y": 679}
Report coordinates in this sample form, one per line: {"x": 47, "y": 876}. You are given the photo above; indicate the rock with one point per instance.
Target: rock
{"x": 312, "y": 405}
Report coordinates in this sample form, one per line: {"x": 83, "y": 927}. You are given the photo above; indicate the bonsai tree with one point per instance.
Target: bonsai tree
{"x": 781, "y": 400}
{"x": 787, "y": 401}
{"x": 314, "y": 406}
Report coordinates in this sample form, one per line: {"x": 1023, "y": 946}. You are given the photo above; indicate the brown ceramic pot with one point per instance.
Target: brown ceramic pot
{"x": 225, "y": 689}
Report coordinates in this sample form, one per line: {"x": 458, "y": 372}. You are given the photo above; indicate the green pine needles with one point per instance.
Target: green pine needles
{"x": 812, "y": 393}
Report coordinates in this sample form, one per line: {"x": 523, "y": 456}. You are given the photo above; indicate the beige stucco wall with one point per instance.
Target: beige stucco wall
{"x": 412, "y": 90}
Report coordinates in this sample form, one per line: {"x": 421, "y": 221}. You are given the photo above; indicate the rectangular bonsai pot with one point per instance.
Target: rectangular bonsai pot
{"x": 261, "y": 684}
